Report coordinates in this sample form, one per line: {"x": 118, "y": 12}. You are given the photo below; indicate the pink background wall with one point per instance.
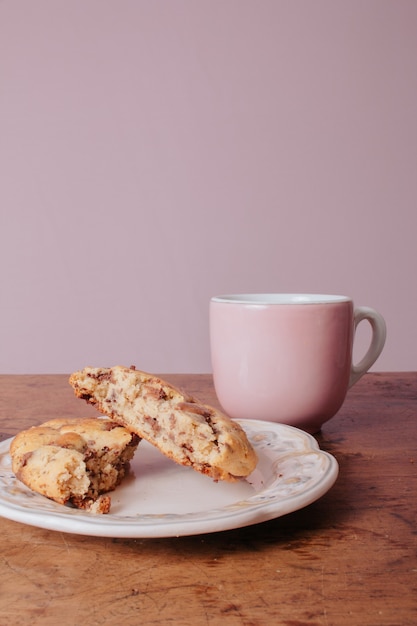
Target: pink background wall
{"x": 154, "y": 153}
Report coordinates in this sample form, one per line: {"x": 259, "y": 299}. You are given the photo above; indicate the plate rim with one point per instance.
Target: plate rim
{"x": 150, "y": 526}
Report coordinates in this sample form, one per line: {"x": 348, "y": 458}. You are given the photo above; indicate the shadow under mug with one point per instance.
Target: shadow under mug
{"x": 288, "y": 357}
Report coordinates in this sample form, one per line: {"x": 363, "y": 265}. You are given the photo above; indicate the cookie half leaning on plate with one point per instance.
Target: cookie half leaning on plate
{"x": 75, "y": 461}
{"x": 190, "y": 433}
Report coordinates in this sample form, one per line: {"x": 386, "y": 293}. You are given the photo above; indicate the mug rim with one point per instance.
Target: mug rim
{"x": 280, "y": 298}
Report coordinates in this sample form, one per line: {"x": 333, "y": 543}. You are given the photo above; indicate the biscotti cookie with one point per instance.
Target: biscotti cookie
{"x": 74, "y": 461}
{"x": 188, "y": 432}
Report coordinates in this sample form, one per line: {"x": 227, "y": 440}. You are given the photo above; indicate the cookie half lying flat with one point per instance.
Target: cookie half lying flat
{"x": 188, "y": 432}
{"x": 74, "y": 461}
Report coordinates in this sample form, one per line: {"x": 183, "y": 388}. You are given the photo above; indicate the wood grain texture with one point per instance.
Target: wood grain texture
{"x": 348, "y": 559}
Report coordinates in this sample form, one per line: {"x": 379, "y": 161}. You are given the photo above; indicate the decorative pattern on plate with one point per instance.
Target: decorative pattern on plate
{"x": 162, "y": 499}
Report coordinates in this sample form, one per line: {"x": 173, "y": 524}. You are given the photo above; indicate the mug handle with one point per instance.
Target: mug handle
{"x": 379, "y": 333}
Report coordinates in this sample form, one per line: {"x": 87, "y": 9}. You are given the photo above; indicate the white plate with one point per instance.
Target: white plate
{"x": 162, "y": 499}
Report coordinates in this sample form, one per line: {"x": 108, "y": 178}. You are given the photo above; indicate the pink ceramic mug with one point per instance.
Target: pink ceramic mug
{"x": 288, "y": 357}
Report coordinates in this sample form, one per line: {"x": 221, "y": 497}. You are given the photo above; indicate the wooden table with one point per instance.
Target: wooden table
{"x": 349, "y": 558}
